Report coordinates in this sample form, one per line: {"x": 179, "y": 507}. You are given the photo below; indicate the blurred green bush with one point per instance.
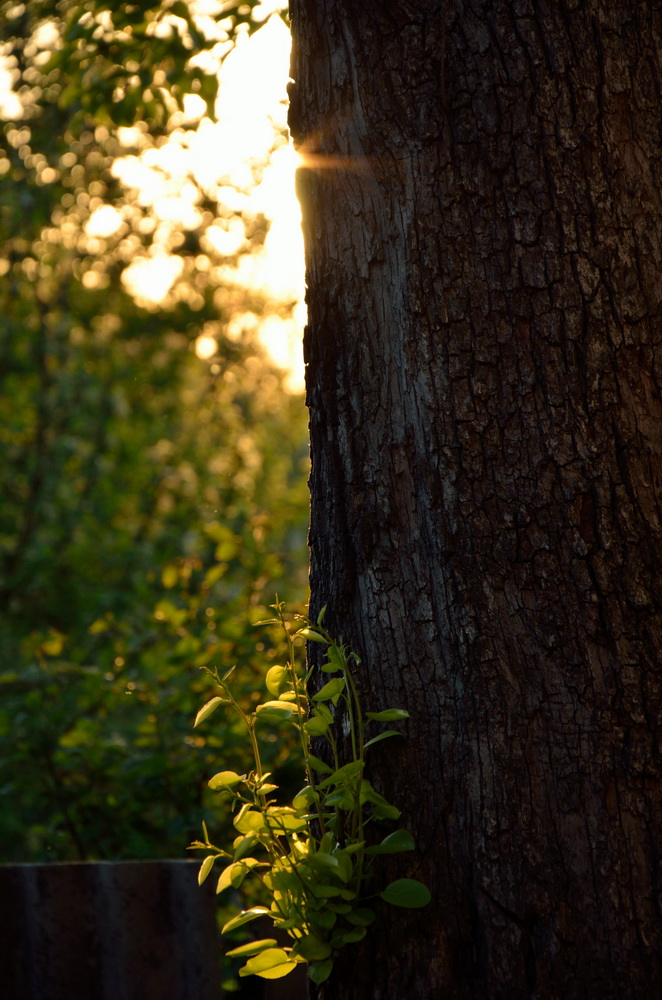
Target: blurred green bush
{"x": 152, "y": 501}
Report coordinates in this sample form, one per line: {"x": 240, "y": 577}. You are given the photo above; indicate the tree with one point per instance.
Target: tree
{"x": 482, "y": 217}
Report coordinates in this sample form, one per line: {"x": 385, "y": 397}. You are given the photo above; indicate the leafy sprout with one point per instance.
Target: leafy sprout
{"x": 313, "y": 857}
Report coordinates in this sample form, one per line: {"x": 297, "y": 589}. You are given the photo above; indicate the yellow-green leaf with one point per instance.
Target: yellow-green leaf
{"x": 225, "y": 779}
{"x": 276, "y": 680}
{"x": 270, "y": 964}
{"x": 205, "y": 868}
{"x": 251, "y": 948}
{"x": 207, "y": 710}
{"x": 243, "y": 918}
{"x": 311, "y": 636}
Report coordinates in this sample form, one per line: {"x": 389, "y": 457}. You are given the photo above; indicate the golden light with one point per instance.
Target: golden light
{"x": 205, "y": 347}
{"x": 150, "y": 279}
{"x": 104, "y": 221}
{"x": 220, "y": 156}
{"x": 218, "y": 160}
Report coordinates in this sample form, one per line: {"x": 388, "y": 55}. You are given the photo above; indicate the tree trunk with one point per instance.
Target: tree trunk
{"x": 483, "y": 220}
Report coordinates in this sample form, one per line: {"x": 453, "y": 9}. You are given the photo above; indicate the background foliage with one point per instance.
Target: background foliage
{"x": 152, "y": 501}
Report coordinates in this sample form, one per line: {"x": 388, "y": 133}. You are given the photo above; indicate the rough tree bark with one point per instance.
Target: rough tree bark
{"x": 483, "y": 220}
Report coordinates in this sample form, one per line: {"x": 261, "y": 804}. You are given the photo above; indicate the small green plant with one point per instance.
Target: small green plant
{"x": 315, "y": 856}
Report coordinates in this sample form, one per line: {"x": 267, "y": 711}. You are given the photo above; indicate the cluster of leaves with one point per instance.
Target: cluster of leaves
{"x": 314, "y": 857}
{"x": 148, "y": 495}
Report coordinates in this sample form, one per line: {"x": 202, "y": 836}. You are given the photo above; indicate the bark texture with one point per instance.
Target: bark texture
{"x": 483, "y": 227}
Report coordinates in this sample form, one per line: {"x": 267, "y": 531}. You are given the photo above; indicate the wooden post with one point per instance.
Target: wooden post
{"x": 133, "y": 930}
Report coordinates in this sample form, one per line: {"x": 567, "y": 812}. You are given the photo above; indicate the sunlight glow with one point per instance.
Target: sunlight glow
{"x": 243, "y": 161}
{"x": 150, "y": 279}
{"x": 252, "y": 111}
{"x": 221, "y": 158}
{"x": 205, "y": 347}
{"x": 104, "y": 221}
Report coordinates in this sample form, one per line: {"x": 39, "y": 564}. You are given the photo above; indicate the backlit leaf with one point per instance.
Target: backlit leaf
{"x": 388, "y": 715}
{"x": 311, "y": 635}
{"x": 316, "y": 726}
{"x": 251, "y": 948}
{"x": 270, "y": 964}
{"x": 225, "y": 779}
{"x": 207, "y": 710}
{"x": 276, "y": 680}
{"x": 275, "y": 711}
{"x": 205, "y": 868}
{"x": 244, "y": 918}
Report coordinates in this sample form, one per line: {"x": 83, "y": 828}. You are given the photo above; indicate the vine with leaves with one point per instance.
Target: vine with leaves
{"x": 314, "y": 857}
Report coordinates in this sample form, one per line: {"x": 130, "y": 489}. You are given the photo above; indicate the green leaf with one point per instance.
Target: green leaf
{"x": 345, "y": 775}
{"x": 324, "y": 712}
{"x": 205, "y": 868}
{"x": 225, "y": 779}
{"x": 399, "y": 840}
{"x": 388, "y": 715}
{"x": 353, "y": 848}
{"x": 328, "y": 860}
{"x": 312, "y": 948}
{"x": 319, "y": 972}
{"x": 244, "y": 845}
{"x": 361, "y": 916}
{"x": 282, "y": 880}
{"x": 327, "y": 891}
{"x": 282, "y": 818}
{"x": 244, "y": 918}
{"x": 274, "y": 711}
{"x": 240, "y": 869}
{"x": 332, "y": 689}
{"x": 248, "y": 820}
{"x": 335, "y": 660}
{"x": 312, "y": 636}
{"x": 303, "y": 799}
{"x": 251, "y": 948}
{"x": 318, "y": 765}
{"x": 341, "y": 908}
{"x": 225, "y": 880}
{"x": 322, "y": 918}
{"x": 381, "y": 808}
{"x": 340, "y": 798}
{"x": 316, "y": 726}
{"x": 207, "y": 710}
{"x": 341, "y": 938}
{"x": 345, "y": 865}
{"x": 270, "y": 964}
{"x": 407, "y": 892}
{"x": 276, "y": 680}
{"x": 382, "y": 736}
